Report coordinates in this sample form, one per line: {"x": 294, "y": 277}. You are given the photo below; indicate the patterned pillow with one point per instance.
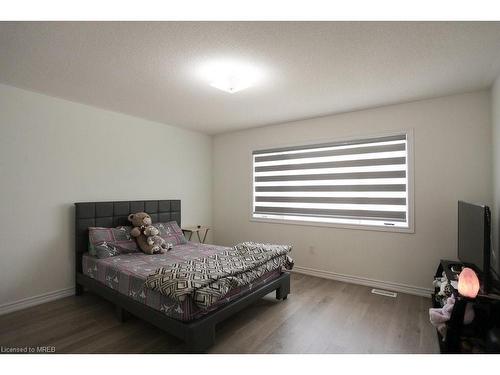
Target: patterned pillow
{"x": 106, "y": 242}
{"x": 171, "y": 233}
{"x": 106, "y": 250}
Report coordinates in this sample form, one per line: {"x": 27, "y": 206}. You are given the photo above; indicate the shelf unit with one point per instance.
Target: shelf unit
{"x": 460, "y": 337}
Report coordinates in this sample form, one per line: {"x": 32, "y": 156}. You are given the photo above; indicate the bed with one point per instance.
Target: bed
{"x": 121, "y": 279}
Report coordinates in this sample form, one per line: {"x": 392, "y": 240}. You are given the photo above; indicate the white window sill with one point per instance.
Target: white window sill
{"x": 336, "y": 225}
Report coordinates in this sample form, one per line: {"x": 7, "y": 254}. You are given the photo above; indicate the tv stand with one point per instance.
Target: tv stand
{"x": 481, "y": 334}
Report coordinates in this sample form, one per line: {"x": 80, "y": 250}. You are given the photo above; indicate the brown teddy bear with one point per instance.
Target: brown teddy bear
{"x": 146, "y": 234}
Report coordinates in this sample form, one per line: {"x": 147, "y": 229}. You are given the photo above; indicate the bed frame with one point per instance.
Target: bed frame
{"x": 199, "y": 334}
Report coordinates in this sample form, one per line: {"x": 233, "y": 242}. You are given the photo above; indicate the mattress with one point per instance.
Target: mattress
{"x": 126, "y": 274}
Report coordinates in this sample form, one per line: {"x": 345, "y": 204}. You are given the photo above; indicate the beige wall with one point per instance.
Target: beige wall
{"x": 495, "y": 106}
{"x": 55, "y": 152}
{"x": 452, "y": 162}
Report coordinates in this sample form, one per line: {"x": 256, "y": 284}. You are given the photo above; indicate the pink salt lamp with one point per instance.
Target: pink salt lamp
{"x": 468, "y": 283}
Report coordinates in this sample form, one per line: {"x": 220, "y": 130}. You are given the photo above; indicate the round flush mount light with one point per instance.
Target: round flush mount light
{"x": 230, "y": 75}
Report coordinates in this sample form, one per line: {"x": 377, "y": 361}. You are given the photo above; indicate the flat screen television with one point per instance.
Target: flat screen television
{"x": 474, "y": 228}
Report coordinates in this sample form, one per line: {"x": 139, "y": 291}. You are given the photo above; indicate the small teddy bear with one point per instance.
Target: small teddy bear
{"x": 146, "y": 234}
{"x": 153, "y": 238}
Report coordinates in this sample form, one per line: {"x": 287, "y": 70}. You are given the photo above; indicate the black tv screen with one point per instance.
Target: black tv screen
{"x": 473, "y": 235}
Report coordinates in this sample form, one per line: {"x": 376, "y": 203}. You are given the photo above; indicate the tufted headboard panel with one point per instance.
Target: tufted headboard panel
{"x": 112, "y": 214}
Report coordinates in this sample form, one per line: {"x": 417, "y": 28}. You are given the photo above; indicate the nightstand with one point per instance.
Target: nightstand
{"x": 196, "y": 229}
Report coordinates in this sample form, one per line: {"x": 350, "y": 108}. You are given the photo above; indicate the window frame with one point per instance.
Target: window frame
{"x": 410, "y": 184}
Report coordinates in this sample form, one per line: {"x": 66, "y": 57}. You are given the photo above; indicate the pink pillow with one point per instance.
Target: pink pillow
{"x": 171, "y": 233}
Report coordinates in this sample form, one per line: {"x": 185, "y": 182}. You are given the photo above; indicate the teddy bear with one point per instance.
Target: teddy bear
{"x": 153, "y": 238}
{"x": 146, "y": 235}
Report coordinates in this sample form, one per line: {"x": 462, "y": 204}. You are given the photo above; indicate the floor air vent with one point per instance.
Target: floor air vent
{"x": 384, "y": 293}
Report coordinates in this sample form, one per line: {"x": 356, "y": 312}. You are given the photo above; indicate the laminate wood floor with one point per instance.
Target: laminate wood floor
{"x": 319, "y": 316}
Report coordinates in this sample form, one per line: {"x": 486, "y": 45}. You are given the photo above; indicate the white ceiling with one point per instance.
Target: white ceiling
{"x": 148, "y": 69}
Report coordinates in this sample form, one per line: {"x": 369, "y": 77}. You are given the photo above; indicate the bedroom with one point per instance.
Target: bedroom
{"x": 185, "y": 187}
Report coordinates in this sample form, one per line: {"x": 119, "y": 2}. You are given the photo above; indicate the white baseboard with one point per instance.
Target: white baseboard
{"x": 395, "y": 287}
{"x": 35, "y": 300}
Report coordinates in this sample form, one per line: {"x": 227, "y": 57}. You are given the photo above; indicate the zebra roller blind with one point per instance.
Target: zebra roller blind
{"x": 357, "y": 182}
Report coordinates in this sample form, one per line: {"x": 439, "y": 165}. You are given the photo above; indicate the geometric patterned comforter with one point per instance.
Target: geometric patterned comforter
{"x": 127, "y": 274}
{"x": 208, "y": 279}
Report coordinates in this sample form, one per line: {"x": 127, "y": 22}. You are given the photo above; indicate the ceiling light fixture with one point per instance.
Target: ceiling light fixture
{"x": 230, "y": 76}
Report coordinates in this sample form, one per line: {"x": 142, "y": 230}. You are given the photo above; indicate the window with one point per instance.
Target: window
{"x": 354, "y": 183}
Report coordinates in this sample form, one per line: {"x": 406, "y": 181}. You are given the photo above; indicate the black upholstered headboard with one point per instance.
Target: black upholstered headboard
{"x": 112, "y": 214}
